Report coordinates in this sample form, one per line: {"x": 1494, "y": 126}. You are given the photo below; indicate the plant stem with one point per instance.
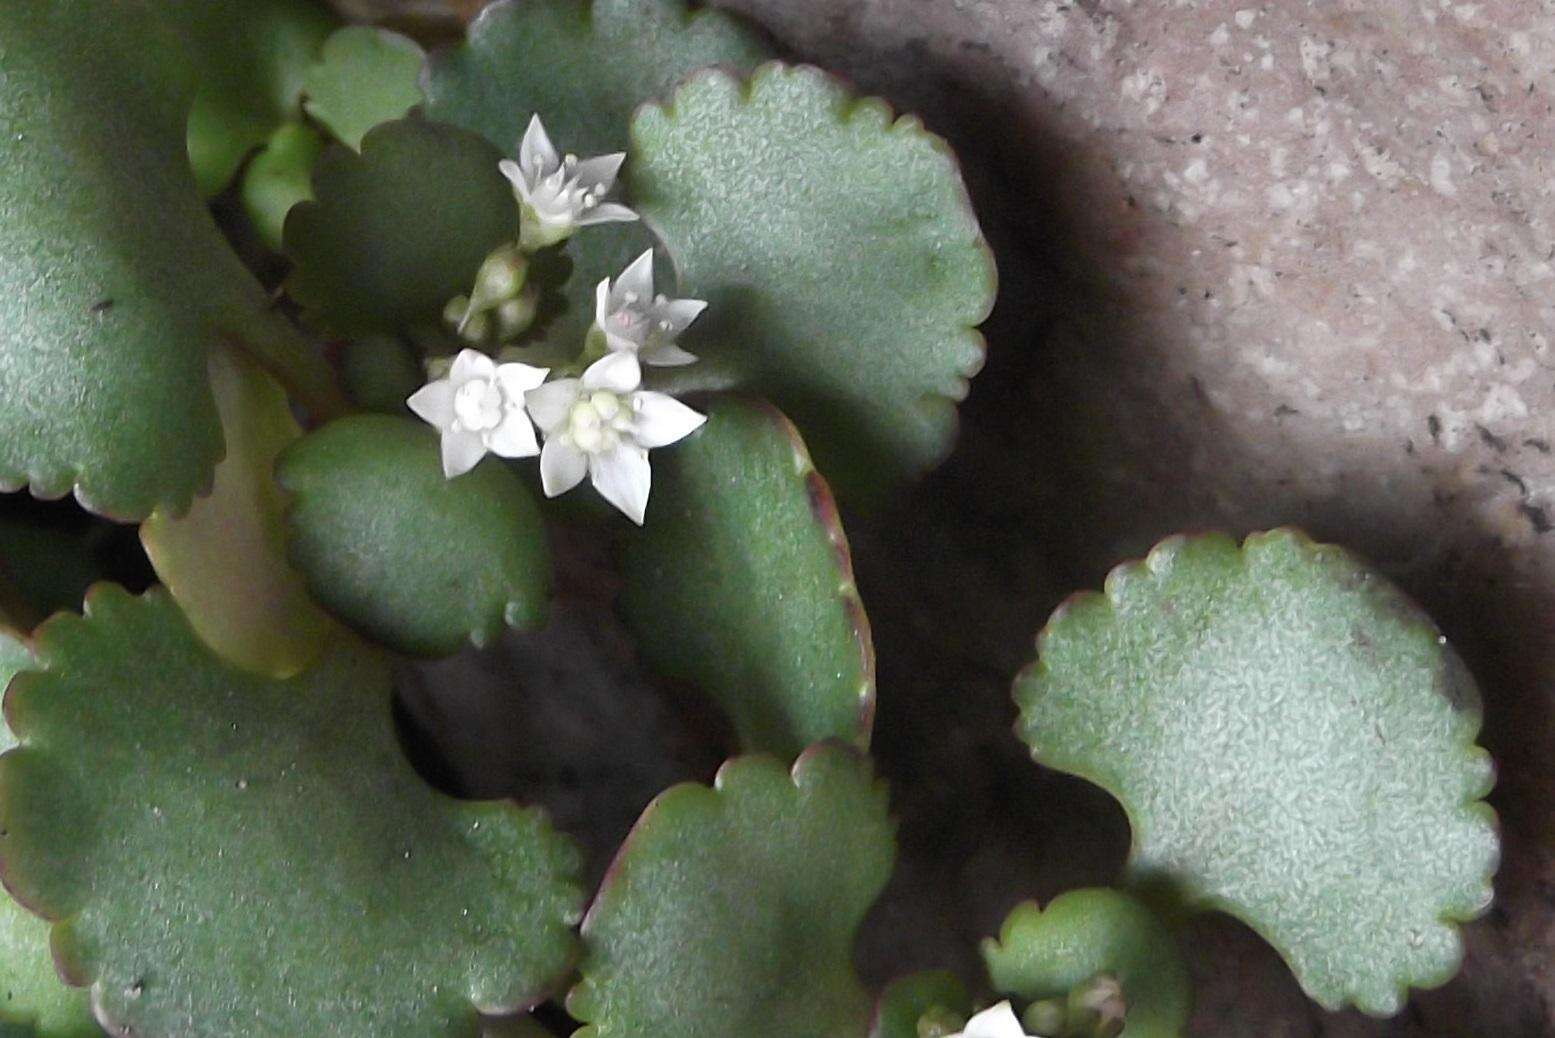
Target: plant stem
{"x": 293, "y": 361}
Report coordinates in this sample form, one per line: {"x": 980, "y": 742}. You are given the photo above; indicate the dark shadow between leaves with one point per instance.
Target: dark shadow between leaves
{"x": 564, "y": 717}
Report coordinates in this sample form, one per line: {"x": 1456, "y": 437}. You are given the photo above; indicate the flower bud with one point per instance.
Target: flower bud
{"x": 939, "y": 1022}
{"x": 476, "y": 329}
{"x": 455, "y": 309}
{"x": 516, "y": 315}
{"x": 1096, "y": 1008}
{"x": 501, "y": 275}
{"x": 1046, "y": 1018}
{"x": 500, "y": 278}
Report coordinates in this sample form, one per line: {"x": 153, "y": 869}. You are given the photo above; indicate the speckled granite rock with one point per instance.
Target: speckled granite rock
{"x": 1262, "y": 263}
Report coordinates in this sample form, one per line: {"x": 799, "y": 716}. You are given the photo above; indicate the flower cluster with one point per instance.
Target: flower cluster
{"x": 599, "y": 421}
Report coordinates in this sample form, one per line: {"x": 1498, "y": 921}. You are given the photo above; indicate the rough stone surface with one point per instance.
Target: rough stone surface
{"x": 1262, "y": 263}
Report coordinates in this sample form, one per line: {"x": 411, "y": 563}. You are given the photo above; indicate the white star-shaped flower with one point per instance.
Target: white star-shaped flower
{"x": 558, "y": 195}
{"x": 479, "y": 408}
{"x": 634, "y": 318}
{"x": 602, "y": 425}
{"x": 997, "y": 1021}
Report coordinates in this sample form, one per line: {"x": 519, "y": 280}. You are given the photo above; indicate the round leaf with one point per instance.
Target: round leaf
{"x": 422, "y": 563}
{"x": 732, "y": 910}
{"x": 114, "y": 281}
{"x": 225, "y": 561}
{"x": 1294, "y": 744}
{"x": 582, "y": 67}
{"x": 279, "y": 177}
{"x": 365, "y": 76}
{"x": 741, "y": 582}
{"x": 380, "y": 372}
{"x": 398, "y": 230}
{"x": 227, "y": 854}
{"x": 842, "y": 261}
{"x": 1044, "y": 954}
{"x": 36, "y": 1003}
{"x": 249, "y": 57}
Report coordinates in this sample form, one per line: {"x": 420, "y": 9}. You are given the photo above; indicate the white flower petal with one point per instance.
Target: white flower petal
{"x": 997, "y": 1021}
{"x": 602, "y": 304}
{"x": 515, "y": 175}
{"x": 617, "y": 372}
{"x": 536, "y": 148}
{"x": 636, "y": 279}
{"x": 471, "y": 364}
{"x": 667, "y": 355}
{"x": 660, "y": 419}
{"x": 622, "y": 477}
{"x": 606, "y": 212}
{"x": 514, "y": 437}
{"x": 599, "y": 174}
{"x": 619, "y": 343}
{"x": 562, "y": 466}
{"x": 516, "y": 379}
{"x": 679, "y": 313}
{"x": 434, "y": 403}
{"x": 548, "y": 404}
{"x": 462, "y": 451}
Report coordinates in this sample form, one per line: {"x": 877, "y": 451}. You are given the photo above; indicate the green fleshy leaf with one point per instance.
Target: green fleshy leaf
{"x": 114, "y": 281}
{"x": 421, "y": 563}
{"x": 365, "y": 76}
{"x": 226, "y": 854}
{"x": 398, "y": 230}
{"x": 279, "y": 177}
{"x": 37, "y": 1003}
{"x": 906, "y": 999}
{"x": 732, "y": 910}
{"x": 249, "y": 58}
{"x": 741, "y": 582}
{"x": 218, "y": 140}
{"x": 225, "y": 561}
{"x": 582, "y": 67}
{"x": 841, "y": 259}
{"x": 380, "y": 373}
{"x": 1043, "y": 954}
{"x": 1294, "y": 744}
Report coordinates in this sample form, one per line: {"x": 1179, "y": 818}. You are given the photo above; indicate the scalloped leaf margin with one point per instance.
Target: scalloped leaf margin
{"x": 1043, "y": 953}
{"x": 114, "y": 281}
{"x": 733, "y": 910}
{"x": 582, "y": 66}
{"x": 397, "y": 230}
{"x": 37, "y": 1004}
{"x": 1293, "y": 742}
{"x": 837, "y": 246}
{"x": 161, "y": 801}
